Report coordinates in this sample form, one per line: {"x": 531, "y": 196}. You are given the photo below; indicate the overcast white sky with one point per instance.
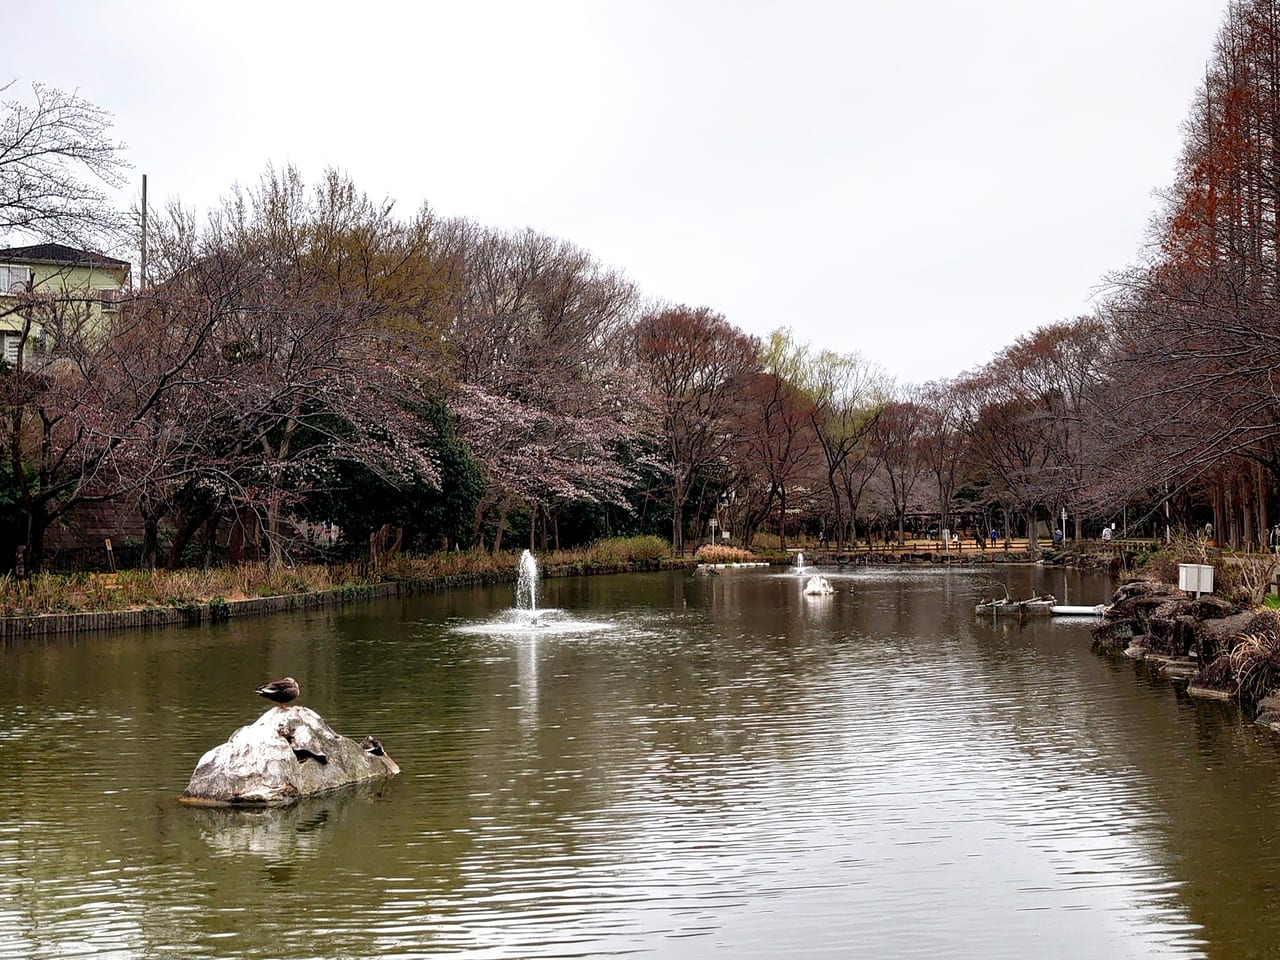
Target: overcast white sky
{"x": 919, "y": 181}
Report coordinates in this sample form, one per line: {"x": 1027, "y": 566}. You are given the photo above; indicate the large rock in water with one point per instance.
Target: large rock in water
{"x": 281, "y": 757}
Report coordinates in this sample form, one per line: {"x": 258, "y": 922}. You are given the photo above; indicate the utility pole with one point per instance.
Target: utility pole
{"x": 142, "y": 280}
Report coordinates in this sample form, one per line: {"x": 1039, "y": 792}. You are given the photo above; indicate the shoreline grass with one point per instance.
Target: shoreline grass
{"x": 55, "y": 593}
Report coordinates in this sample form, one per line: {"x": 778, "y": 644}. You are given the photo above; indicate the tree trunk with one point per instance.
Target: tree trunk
{"x": 186, "y": 529}
{"x": 1260, "y": 491}
{"x": 1247, "y": 538}
{"x": 477, "y": 526}
{"x": 502, "y": 526}
{"x": 782, "y": 516}
{"x": 835, "y": 500}
{"x": 150, "y": 541}
{"x": 677, "y": 523}
{"x": 275, "y": 551}
{"x": 37, "y": 524}
{"x": 235, "y": 543}
{"x": 210, "y": 538}
{"x": 245, "y": 536}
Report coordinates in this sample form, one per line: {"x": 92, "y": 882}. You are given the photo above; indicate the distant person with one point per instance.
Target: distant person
{"x": 1106, "y": 534}
{"x": 1057, "y": 537}
{"x": 1275, "y": 539}
{"x": 994, "y": 537}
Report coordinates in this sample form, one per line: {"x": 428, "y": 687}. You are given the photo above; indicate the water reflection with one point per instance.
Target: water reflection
{"x": 281, "y": 834}
{"x": 532, "y": 623}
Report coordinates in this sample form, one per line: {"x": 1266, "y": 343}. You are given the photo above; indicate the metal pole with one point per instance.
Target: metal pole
{"x": 1168, "y": 533}
{"x": 142, "y": 280}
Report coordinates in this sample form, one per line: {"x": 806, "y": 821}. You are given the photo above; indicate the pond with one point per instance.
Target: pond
{"x": 667, "y": 765}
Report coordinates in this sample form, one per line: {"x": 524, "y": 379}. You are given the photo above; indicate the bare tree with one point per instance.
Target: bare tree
{"x": 844, "y": 394}
{"x": 57, "y": 164}
{"x": 697, "y": 367}
{"x": 1060, "y": 370}
{"x": 941, "y": 444}
{"x": 898, "y": 435}
{"x": 1005, "y": 439}
{"x": 776, "y": 434}
{"x": 81, "y": 403}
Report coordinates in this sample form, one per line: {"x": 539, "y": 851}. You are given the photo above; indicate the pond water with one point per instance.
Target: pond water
{"x": 665, "y": 766}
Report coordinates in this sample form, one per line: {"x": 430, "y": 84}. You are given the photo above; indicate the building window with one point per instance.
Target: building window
{"x": 109, "y": 300}
{"x": 14, "y": 279}
{"x": 11, "y": 343}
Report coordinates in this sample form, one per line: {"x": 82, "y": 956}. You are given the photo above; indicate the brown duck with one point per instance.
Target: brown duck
{"x": 280, "y": 691}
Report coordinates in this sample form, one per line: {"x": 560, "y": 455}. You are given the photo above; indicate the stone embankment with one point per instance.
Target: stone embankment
{"x": 191, "y": 614}
{"x": 219, "y": 610}
{"x": 1204, "y": 641}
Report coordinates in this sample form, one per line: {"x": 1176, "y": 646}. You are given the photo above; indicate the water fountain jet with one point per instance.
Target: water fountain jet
{"x": 527, "y": 584}
{"x": 526, "y": 618}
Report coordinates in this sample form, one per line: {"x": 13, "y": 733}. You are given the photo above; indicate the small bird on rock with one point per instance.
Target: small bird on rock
{"x": 372, "y": 746}
{"x": 280, "y": 691}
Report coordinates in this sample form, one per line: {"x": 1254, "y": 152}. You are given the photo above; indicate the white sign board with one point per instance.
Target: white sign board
{"x": 1195, "y": 577}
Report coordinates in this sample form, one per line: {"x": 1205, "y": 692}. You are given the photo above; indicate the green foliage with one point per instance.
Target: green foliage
{"x": 12, "y": 519}
{"x": 219, "y": 610}
{"x": 429, "y": 516}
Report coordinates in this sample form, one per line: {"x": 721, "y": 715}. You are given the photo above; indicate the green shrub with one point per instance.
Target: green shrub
{"x": 219, "y": 610}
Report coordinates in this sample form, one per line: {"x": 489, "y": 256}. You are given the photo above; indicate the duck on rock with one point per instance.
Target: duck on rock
{"x": 280, "y": 691}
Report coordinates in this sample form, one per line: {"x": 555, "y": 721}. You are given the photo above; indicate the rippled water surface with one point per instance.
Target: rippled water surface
{"x": 660, "y": 765}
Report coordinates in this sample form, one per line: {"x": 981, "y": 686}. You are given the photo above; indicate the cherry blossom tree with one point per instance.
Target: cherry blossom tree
{"x": 538, "y": 357}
